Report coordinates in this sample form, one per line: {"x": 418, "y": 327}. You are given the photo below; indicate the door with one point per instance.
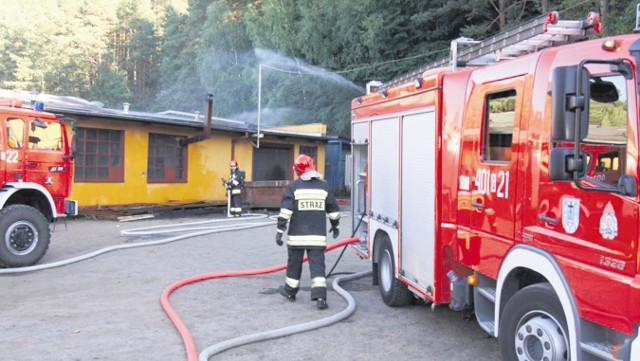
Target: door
{"x": 488, "y": 174}
{"x": 43, "y": 159}
{"x": 593, "y": 233}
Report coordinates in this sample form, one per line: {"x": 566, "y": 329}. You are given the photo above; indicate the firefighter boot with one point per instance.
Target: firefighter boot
{"x": 285, "y": 294}
{"x": 321, "y": 303}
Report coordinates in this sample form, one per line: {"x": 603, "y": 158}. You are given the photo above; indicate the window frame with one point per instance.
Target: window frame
{"x": 598, "y": 147}
{"x": 286, "y": 164}
{"x": 115, "y": 148}
{"x": 496, "y": 153}
{"x": 169, "y": 174}
{"x": 15, "y": 134}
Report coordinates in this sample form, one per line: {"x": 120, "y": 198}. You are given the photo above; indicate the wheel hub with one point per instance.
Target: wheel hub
{"x": 386, "y": 271}
{"x": 540, "y": 339}
{"x": 21, "y": 238}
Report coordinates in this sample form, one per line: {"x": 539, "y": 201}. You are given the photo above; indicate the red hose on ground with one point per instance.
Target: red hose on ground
{"x": 187, "y": 339}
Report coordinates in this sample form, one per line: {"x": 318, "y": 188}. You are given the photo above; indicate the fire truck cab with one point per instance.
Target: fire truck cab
{"x": 511, "y": 189}
{"x": 35, "y": 180}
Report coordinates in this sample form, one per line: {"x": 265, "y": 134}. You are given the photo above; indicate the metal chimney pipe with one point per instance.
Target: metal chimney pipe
{"x": 207, "y": 124}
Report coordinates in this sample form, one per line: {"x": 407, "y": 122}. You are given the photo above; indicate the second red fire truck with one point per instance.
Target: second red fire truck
{"x": 507, "y": 183}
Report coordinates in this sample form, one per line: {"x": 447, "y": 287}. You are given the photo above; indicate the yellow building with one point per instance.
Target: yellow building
{"x": 126, "y": 158}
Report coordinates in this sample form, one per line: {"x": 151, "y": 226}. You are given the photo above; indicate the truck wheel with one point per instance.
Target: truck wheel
{"x": 393, "y": 292}
{"x": 533, "y": 326}
{"x": 25, "y": 236}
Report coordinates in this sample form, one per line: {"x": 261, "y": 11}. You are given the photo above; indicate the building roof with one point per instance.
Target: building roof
{"x": 70, "y": 105}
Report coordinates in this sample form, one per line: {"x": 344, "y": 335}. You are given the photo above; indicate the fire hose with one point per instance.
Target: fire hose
{"x": 195, "y": 229}
{"x": 182, "y": 329}
{"x": 188, "y": 341}
{"x": 202, "y": 228}
{"x": 293, "y": 329}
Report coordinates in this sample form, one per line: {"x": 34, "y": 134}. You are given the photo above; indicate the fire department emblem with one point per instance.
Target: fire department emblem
{"x": 608, "y": 223}
{"x": 570, "y": 214}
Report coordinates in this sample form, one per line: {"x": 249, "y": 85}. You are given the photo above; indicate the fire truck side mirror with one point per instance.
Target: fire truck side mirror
{"x": 627, "y": 186}
{"x": 566, "y": 101}
{"x": 37, "y": 122}
{"x": 563, "y": 163}
{"x": 74, "y": 142}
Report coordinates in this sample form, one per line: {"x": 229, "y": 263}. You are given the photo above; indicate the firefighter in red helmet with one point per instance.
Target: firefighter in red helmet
{"x": 234, "y": 185}
{"x": 303, "y": 207}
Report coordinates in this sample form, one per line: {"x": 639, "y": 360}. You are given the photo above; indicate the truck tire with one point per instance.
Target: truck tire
{"x": 393, "y": 292}
{"x": 25, "y": 236}
{"x": 533, "y": 326}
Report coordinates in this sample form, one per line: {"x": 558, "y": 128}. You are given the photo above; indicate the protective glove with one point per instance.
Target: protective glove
{"x": 335, "y": 230}
{"x": 279, "y": 239}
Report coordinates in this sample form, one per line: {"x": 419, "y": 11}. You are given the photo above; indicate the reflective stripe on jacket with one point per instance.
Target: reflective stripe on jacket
{"x": 304, "y": 206}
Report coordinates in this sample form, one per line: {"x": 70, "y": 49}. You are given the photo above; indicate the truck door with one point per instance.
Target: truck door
{"x": 43, "y": 156}
{"x": 488, "y": 174}
{"x": 596, "y": 229}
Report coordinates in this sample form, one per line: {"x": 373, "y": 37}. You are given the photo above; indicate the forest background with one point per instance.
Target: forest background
{"x": 311, "y": 57}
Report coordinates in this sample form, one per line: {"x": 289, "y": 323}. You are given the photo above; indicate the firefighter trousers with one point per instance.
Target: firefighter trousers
{"x": 316, "y": 268}
{"x": 236, "y": 205}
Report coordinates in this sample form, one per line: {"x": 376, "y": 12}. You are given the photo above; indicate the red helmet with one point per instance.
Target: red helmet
{"x": 233, "y": 164}
{"x": 304, "y": 164}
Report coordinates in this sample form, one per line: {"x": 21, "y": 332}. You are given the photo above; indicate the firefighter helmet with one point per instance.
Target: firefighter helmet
{"x": 233, "y": 164}
{"x": 304, "y": 164}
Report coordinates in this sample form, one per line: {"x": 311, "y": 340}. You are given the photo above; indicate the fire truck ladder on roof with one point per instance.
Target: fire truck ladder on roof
{"x": 542, "y": 32}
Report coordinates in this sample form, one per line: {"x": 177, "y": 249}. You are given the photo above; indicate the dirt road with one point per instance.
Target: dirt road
{"x": 108, "y": 307}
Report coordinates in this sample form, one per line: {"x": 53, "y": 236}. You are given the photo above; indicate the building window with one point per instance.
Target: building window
{"x": 310, "y": 151}
{"x": 271, "y": 163}
{"x": 499, "y": 122}
{"x": 99, "y": 155}
{"x": 167, "y": 159}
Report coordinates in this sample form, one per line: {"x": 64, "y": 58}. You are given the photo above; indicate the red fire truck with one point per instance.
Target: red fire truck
{"x": 504, "y": 180}
{"x": 36, "y": 173}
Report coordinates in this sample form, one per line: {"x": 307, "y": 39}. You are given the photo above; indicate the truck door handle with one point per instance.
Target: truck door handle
{"x": 31, "y": 164}
{"x": 478, "y": 205}
{"x": 546, "y": 219}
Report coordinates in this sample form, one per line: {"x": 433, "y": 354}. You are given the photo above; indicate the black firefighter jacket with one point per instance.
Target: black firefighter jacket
{"x": 304, "y": 205}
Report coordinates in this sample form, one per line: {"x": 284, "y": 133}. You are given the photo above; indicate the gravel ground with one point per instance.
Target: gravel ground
{"x": 108, "y": 307}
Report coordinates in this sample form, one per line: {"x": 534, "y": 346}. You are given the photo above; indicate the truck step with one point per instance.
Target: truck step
{"x": 484, "y": 295}
{"x": 602, "y": 350}
{"x": 488, "y": 326}
{"x": 488, "y": 293}
{"x": 361, "y": 248}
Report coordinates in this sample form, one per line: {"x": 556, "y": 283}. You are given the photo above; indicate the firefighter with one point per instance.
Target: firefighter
{"x": 234, "y": 185}
{"x": 304, "y": 204}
